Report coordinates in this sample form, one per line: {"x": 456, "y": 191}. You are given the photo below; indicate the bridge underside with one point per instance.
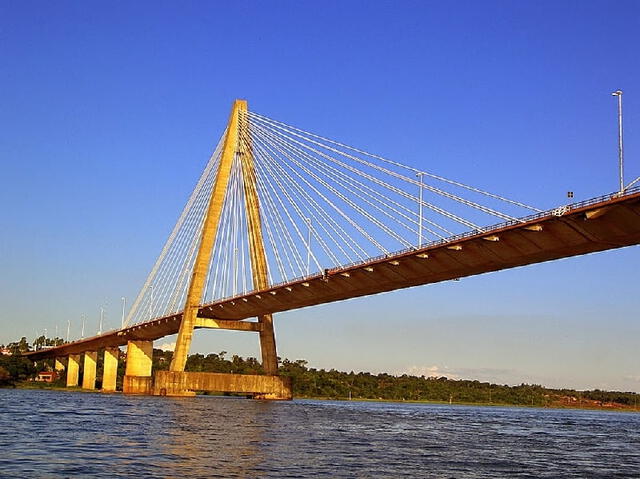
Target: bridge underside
{"x": 591, "y": 227}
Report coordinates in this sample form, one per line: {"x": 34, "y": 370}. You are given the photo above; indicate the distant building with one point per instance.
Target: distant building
{"x": 46, "y": 376}
{"x": 5, "y": 352}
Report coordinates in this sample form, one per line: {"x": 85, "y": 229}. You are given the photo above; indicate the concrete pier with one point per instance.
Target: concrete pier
{"x": 178, "y": 383}
{"x": 137, "y": 378}
{"x": 110, "y": 369}
{"x": 73, "y": 370}
{"x": 60, "y": 364}
{"x": 89, "y": 370}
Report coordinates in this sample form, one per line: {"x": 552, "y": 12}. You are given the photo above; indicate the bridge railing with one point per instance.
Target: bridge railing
{"x": 558, "y": 211}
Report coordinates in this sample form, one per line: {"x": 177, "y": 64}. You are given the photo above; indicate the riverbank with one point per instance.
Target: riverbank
{"x": 567, "y": 402}
{"x": 586, "y": 405}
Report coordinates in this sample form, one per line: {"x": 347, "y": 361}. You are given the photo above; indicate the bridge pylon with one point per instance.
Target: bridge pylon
{"x": 237, "y": 146}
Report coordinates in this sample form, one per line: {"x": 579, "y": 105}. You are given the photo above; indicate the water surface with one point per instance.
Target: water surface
{"x": 69, "y": 434}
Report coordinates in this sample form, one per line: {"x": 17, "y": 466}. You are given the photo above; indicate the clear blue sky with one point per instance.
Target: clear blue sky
{"x": 109, "y": 111}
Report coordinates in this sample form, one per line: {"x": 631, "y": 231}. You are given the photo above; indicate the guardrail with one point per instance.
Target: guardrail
{"x": 558, "y": 211}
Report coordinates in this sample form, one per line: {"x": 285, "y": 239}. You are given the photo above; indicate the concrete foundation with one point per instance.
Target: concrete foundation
{"x": 137, "y": 379}
{"x": 136, "y": 385}
{"x": 175, "y": 383}
{"x": 110, "y": 369}
{"x": 60, "y": 364}
{"x": 89, "y": 370}
{"x": 73, "y": 370}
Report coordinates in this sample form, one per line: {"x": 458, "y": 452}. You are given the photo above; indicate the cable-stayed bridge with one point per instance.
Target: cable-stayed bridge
{"x": 282, "y": 218}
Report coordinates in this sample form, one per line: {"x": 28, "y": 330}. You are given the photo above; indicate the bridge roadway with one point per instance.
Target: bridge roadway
{"x": 604, "y": 223}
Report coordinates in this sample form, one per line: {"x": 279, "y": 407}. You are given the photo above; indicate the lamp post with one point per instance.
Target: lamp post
{"x": 419, "y": 175}
{"x": 124, "y": 303}
{"x": 308, "y": 221}
{"x": 618, "y": 93}
{"x": 151, "y": 304}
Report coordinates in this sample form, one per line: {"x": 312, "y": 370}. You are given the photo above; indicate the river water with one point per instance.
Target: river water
{"x": 68, "y": 434}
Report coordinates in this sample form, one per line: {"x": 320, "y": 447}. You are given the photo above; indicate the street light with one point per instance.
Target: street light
{"x": 618, "y": 93}
{"x": 308, "y": 221}
{"x": 419, "y": 175}
{"x": 124, "y": 303}
{"x": 151, "y": 304}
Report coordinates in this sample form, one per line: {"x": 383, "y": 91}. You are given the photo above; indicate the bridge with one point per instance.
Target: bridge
{"x": 283, "y": 219}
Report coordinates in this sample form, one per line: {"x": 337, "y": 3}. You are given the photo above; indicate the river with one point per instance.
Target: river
{"x": 60, "y": 434}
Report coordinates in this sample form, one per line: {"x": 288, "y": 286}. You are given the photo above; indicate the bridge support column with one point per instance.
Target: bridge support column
{"x": 89, "y": 372}
{"x": 110, "y": 369}
{"x": 73, "y": 370}
{"x": 237, "y": 145}
{"x": 268, "y": 345}
{"x": 137, "y": 376}
{"x": 60, "y": 365}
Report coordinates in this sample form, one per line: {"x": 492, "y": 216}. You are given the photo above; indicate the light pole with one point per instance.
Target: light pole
{"x": 124, "y": 303}
{"x": 151, "y": 304}
{"x": 618, "y": 93}
{"x": 82, "y": 333}
{"x": 419, "y": 175}
{"x": 308, "y": 245}
{"x": 68, "y": 329}
{"x": 101, "y": 320}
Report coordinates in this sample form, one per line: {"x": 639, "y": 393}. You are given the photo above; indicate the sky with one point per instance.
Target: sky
{"x": 110, "y": 110}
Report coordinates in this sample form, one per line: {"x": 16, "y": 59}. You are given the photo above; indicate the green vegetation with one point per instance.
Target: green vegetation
{"x": 14, "y": 368}
{"x": 332, "y": 384}
{"x": 319, "y": 383}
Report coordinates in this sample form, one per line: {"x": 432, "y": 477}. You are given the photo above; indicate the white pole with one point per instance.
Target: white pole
{"x": 82, "y": 334}
{"x": 419, "y": 175}
{"x": 101, "y": 319}
{"x": 151, "y": 304}
{"x": 68, "y": 329}
{"x": 124, "y": 303}
{"x": 308, "y": 246}
{"x": 618, "y": 93}
{"x": 235, "y": 271}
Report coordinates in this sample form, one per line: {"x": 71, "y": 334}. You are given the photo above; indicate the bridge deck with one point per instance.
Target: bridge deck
{"x": 595, "y": 225}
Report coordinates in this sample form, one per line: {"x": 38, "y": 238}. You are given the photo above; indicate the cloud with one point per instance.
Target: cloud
{"x": 168, "y": 346}
{"x": 495, "y": 375}
{"x": 430, "y": 372}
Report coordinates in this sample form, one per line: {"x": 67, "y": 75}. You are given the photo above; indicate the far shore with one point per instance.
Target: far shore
{"x": 556, "y": 405}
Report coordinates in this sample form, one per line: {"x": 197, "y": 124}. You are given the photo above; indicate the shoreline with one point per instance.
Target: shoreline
{"x": 28, "y": 385}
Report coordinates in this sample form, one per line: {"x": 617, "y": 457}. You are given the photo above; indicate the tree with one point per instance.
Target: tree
{"x": 5, "y": 377}
{"x": 18, "y": 367}
{"x": 19, "y": 347}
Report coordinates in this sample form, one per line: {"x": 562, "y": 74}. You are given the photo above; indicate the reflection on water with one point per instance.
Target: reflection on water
{"x": 63, "y": 434}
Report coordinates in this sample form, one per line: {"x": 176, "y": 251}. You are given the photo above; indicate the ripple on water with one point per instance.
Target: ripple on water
{"x": 66, "y": 434}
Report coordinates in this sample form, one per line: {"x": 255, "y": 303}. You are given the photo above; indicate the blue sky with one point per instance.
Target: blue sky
{"x": 110, "y": 111}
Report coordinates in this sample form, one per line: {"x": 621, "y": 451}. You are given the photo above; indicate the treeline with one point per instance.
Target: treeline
{"x": 15, "y": 368}
{"x": 320, "y": 383}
